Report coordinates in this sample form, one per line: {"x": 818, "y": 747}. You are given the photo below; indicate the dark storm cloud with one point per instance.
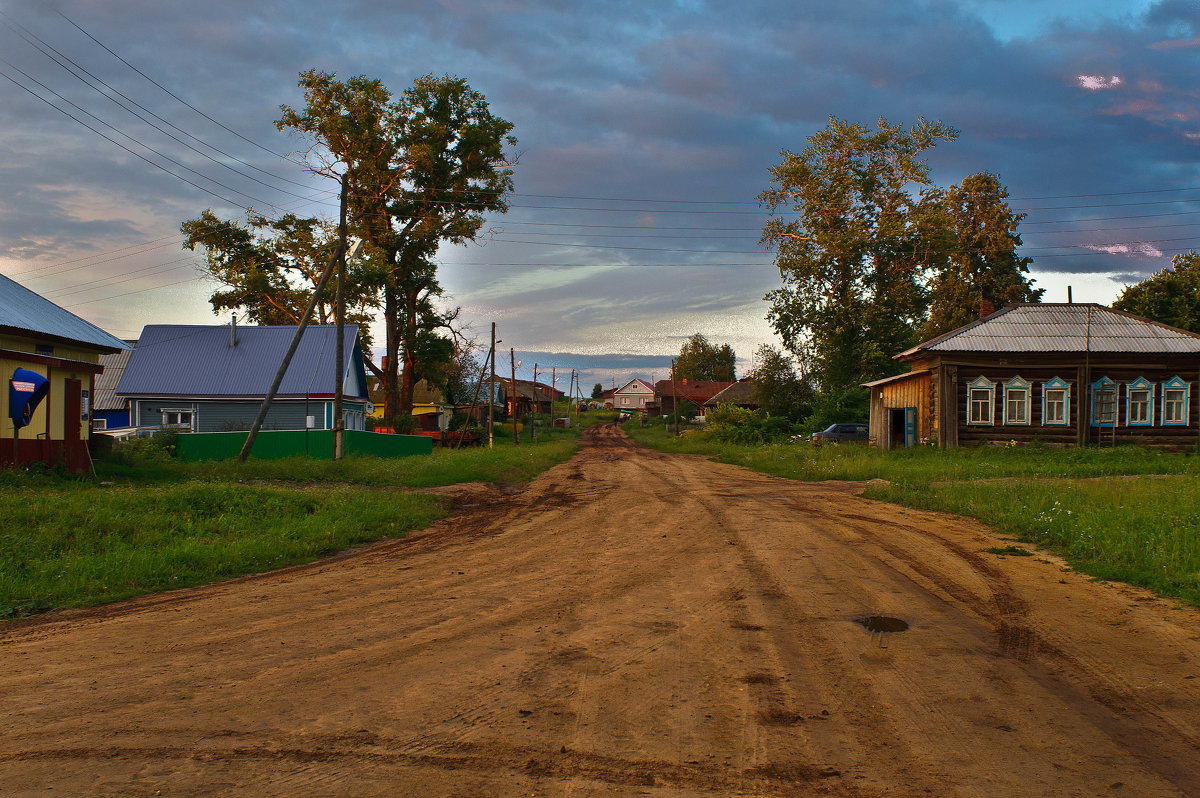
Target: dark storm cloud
{"x": 685, "y": 101}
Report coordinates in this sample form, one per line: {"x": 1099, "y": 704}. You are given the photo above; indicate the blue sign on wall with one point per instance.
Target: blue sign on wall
{"x": 26, "y": 390}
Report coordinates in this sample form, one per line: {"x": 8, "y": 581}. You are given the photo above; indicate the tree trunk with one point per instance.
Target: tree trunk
{"x": 391, "y": 393}
{"x": 410, "y": 344}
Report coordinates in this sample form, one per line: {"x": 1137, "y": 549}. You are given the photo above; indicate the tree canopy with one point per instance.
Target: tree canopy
{"x": 853, "y": 259}
{"x": 269, "y": 267}
{"x": 421, "y": 170}
{"x": 1171, "y": 296}
{"x": 700, "y": 360}
{"x": 778, "y": 390}
{"x": 983, "y": 264}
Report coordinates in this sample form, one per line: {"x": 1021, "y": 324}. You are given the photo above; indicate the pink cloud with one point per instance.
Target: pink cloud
{"x": 1097, "y": 82}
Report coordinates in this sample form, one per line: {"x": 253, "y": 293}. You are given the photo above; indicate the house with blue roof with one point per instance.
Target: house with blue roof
{"x": 49, "y": 359}
{"x": 212, "y": 378}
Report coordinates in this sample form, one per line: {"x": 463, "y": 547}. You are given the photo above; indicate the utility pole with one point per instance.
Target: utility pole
{"x": 512, "y": 359}
{"x": 339, "y": 419}
{"x": 674, "y": 397}
{"x": 287, "y": 358}
{"x": 533, "y": 417}
{"x": 553, "y": 391}
{"x": 492, "y": 391}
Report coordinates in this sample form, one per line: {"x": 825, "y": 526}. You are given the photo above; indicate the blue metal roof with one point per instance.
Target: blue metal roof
{"x": 24, "y": 312}
{"x": 197, "y": 361}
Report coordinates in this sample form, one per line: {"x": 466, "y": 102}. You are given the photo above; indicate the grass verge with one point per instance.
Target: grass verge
{"x": 152, "y": 523}
{"x": 84, "y": 544}
{"x": 1142, "y": 530}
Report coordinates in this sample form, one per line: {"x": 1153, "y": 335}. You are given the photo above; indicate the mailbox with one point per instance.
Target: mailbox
{"x": 26, "y": 390}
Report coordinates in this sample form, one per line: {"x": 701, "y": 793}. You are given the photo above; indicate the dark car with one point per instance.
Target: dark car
{"x": 841, "y": 433}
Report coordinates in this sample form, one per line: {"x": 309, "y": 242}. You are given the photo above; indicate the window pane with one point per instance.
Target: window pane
{"x": 1056, "y": 406}
{"x": 1173, "y": 402}
{"x": 1139, "y": 406}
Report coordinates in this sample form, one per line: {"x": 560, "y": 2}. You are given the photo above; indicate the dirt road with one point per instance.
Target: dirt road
{"x": 630, "y": 623}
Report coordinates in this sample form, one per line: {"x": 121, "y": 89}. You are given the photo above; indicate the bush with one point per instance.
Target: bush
{"x": 403, "y": 424}
{"x": 145, "y": 451}
{"x": 732, "y": 424}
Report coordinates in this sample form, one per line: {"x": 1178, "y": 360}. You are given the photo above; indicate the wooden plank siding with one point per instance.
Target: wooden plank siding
{"x": 1079, "y": 429}
{"x": 915, "y": 391}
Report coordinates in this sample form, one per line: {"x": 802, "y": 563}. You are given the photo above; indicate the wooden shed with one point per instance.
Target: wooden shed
{"x": 900, "y": 416}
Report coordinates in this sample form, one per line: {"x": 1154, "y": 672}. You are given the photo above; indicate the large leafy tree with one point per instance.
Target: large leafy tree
{"x": 421, "y": 170}
{"x": 854, "y": 257}
{"x": 1172, "y": 296}
{"x": 778, "y": 389}
{"x": 268, "y": 269}
{"x": 983, "y": 264}
{"x": 700, "y": 360}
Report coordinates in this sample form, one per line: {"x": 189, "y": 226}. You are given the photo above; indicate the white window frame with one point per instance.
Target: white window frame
{"x": 99, "y": 424}
{"x": 191, "y": 414}
{"x": 1014, "y": 385}
{"x": 1056, "y": 384}
{"x": 1140, "y": 384}
{"x": 982, "y": 383}
{"x": 1104, "y": 384}
{"x": 1177, "y": 383}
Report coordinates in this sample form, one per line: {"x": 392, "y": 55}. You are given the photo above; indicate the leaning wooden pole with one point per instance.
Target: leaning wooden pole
{"x": 287, "y": 359}
{"x": 512, "y": 390}
{"x": 339, "y": 418}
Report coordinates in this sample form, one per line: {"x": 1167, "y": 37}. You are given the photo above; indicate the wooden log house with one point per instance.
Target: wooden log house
{"x": 1071, "y": 374}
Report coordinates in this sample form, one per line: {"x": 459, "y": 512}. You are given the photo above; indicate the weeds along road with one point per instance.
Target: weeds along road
{"x": 630, "y": 623}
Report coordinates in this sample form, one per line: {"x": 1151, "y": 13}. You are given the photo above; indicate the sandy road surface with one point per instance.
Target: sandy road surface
{"x": 630, "y": 623}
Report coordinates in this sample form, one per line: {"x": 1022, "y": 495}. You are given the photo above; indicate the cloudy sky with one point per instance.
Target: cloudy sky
{"x": 646, "y": 131}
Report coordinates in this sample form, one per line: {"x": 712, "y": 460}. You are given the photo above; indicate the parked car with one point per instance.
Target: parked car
{"x": 841, "y": 433}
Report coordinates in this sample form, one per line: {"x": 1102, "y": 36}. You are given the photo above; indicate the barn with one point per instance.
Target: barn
{"x": 1070, "y": 374}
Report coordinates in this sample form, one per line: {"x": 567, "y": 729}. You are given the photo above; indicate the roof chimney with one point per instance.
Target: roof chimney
{"x": 1069, "y": 295}
{"x": 233, "y": 329}
{"x": 986, "y": 308}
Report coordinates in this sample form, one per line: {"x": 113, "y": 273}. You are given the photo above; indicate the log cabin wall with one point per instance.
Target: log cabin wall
{"x": 1038, "y": 370}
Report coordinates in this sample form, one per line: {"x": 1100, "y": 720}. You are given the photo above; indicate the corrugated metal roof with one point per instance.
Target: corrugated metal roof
{"x": 197, "y": 360}
{"x": 106, "y": 381}
{"x": 895, "y": 378}
{"x": 738, "y": 393}
{"x": 21, "y": 310}
{"x": 1063, "y": 328}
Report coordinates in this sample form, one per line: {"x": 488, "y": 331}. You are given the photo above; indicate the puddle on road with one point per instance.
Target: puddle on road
{"x": 882, "y": 624}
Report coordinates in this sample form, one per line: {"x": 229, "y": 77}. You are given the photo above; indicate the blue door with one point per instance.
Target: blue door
{"x": 910, "y": 427}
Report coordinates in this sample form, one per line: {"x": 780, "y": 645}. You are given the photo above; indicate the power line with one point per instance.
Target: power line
{"x": 122, "y": 146}
{"x": 129, "y": 110}
{"x": 183, "y": 101}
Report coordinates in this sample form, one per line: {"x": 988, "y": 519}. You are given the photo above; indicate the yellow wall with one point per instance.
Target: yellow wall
{"x": 56, "y": 398}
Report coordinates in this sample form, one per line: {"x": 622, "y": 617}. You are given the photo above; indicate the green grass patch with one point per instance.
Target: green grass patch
{"x": 922, "y": 465}
{"x": 81, "y": 544}
{"x": 1142, "y": 530}
{"x": 151, "y": 523}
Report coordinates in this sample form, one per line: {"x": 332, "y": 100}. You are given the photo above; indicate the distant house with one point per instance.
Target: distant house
{"x": 740, "y": 394}
{"x": 1068, "y": 374}
{"x": 697, "y": 392}
{"x": 633, "y": 395}
{"x": 212, "y": 378}
{"x": 50, "y": 344}
{"x": 429, "y": 406}
{"x": 527, "y": 396}
{"x": 109, "y": 411}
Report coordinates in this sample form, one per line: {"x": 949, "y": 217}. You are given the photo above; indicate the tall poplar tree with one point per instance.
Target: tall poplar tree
{"x": 421, "y": 170}
{"x": 983, "y": 264}
{"x": 854, "y": 257}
